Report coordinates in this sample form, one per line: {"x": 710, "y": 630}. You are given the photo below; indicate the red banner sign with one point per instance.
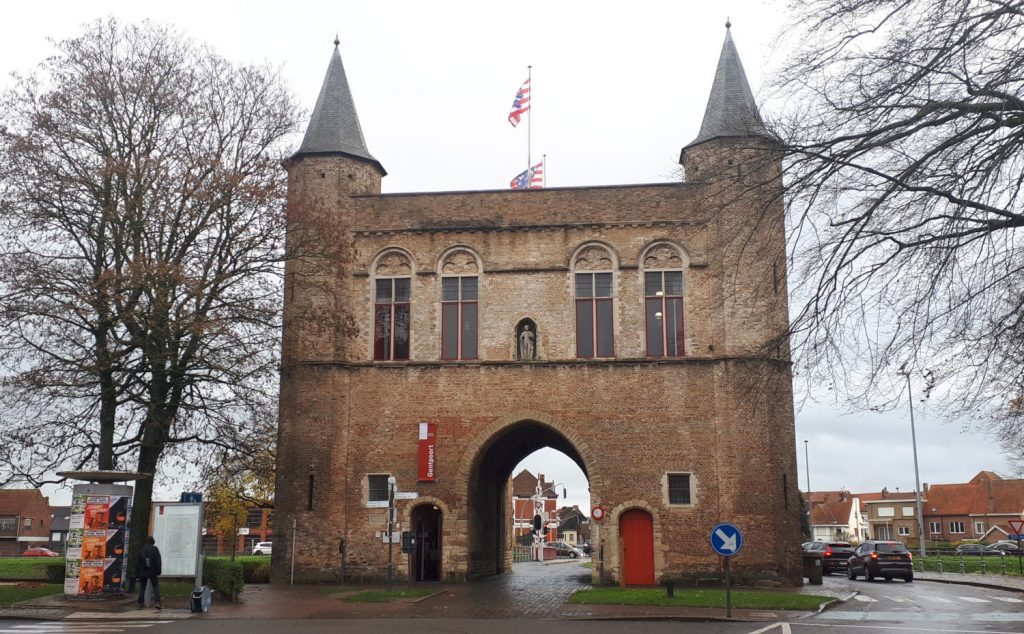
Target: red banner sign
{"x": 428, "y": 451}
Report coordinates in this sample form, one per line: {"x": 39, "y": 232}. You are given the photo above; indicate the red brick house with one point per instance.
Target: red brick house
{"x": 24, "y": 520}
{"x": 524, "y": 488}
{"x": 976, "y": 510}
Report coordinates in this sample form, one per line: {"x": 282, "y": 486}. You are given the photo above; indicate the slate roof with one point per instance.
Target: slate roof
{"x": 731, "y": 109}
{"x": 334, "y": 125}
{"x": 61, "y": 520}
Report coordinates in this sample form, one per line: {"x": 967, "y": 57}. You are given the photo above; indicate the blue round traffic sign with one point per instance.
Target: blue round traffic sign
{"x": 726, "y": 539}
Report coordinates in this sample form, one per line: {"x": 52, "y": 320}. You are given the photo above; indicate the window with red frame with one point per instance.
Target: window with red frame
{"x": 663, "y": 308}
{"x": 391, "y": 319}
{"x": 594, "y": 335}
{"x": 459, "y": 312}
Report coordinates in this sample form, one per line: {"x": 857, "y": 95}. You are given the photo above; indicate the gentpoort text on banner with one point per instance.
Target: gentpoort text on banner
{"x": 428, "y": 451}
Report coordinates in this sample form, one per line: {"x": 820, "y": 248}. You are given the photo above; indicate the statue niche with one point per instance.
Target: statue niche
{"x": 526, "y": 340}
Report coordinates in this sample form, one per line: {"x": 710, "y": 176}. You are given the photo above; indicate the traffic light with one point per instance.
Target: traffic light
{"x": 538, "y": 523}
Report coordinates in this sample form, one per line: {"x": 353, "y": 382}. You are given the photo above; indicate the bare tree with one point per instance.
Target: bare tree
{"x": 143, "y": 231}
{"x": 905, "y": 132}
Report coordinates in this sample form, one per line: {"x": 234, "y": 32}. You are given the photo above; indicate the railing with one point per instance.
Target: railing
{"x": 945, "y": 561}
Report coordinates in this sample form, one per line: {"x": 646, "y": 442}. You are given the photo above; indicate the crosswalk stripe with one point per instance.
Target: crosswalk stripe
{"x": 865, "y": 598}
{"x": 1006, "y": 599}
{"x": 939, "y": 599}
{"x": 974, "y": 599}
{"x": 896, "y": 599}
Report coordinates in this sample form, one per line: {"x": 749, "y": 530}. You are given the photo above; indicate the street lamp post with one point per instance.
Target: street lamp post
{"x": 807, "y": 466}
{"x": 917, "y": 477}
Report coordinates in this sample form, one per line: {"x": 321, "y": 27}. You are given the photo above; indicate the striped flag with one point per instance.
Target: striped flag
{"x": 532, "y": 178}
{"x": 521, "y": 105}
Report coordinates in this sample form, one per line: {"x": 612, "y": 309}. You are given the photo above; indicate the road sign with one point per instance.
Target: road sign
{"x": 1017, "y": 536}
{"x": 597, "y": 513}
{"x": 726, "y": 539}
{"x": 1017, "y": 526}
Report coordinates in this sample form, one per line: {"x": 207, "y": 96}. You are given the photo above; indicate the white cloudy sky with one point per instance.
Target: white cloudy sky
{"x": 618, "y": 89}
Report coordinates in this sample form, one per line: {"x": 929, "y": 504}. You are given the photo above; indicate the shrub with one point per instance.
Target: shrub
{"x": 256, "y": 571}
{"x": 55, "y": 573}
{"x": 224, "y": 575}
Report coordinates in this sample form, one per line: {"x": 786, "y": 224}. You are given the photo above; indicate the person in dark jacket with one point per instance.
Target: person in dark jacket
{"x": 147, "y": 568}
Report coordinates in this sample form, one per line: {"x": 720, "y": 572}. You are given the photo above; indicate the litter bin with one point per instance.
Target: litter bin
{"x": 812, "y": 568}
{"x": 202, "y": 597}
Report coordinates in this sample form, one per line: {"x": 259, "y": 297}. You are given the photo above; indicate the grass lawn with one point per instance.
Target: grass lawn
{"x": 694, "y": 598}
{"x": 383, "y": 596}
{"x": 26, "y": 568}
{"x": 588, "y": 564}
{"x": 951, "y": 563}
{"x": 12, "y": 594}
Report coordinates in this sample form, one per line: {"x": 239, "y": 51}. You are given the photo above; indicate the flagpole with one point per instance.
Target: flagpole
{"x": 544, "y": 162}
{"x": 529, "y": 116}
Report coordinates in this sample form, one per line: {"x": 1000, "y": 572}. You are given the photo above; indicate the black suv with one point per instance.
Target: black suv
{"x": 834, "y": 555}
{"x": 881, "y": 559}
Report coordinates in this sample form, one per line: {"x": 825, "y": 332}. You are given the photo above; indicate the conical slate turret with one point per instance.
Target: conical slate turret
{"x": 731, "y": 109}
{"x": 334, "y": 125}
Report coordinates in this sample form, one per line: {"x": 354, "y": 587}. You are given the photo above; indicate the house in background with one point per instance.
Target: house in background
{"x": 60, "y": 524}
{"x": 24, "y": 520}
{"x": 894, "y": 517}
{"x": 258, "y": 527}
{"x": 573, "y": 525}
{"x": 976, "y": 510}
{"x": 837, "y": 516}
{"x": 524, "y": 489}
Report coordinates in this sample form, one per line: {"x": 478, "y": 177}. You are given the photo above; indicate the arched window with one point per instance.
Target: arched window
{"x": 594, "y": 289}
{"x": 391, "y": 307}
{"x": 460, "y": 292}
{"x": 663, "y": 301}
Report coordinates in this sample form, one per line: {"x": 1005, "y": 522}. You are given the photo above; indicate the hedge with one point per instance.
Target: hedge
{"x": 256, "y": 571}
{"x": 55, "y": 573}
{"x": 223, "y": 575}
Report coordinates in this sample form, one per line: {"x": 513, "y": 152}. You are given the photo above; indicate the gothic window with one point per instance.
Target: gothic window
{"x": 663, "y": 301}
{"x": 459, "y": 305}
{"x": 594, "y": 302}
{"x": 391, "y": 307}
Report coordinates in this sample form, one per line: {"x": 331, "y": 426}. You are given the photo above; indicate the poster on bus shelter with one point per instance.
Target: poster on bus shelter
{"x": 97, "y": 552}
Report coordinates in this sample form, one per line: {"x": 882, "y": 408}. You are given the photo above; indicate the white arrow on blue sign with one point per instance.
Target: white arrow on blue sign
{"x": 726, "y": 539}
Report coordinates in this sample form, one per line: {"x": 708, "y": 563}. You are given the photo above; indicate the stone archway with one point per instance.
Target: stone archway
{"x": 487, "y": 476}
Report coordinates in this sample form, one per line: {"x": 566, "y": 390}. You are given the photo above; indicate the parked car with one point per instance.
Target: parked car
{"x": 834, "y": 555}
{"x": 886, "y": 559}
{"x": 262, "y": 548}
{"x": 970, "y": 549}
{"x": 39, "y": 551}
{"x": 563, "y": 549}
{"x": 1002, "y": 548}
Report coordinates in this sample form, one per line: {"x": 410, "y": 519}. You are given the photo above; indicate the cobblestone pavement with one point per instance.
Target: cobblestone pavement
{"x": 533, "y": 590}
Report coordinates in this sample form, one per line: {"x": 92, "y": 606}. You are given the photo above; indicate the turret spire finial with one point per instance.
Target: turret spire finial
{"x": 728, "y": 24}
{"x": 336, "y": 40}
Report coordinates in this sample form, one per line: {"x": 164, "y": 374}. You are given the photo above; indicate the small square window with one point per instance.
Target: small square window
{"x": 378, "y": 490}
{"x": 903, "y": 530}
{"x": 679, "y": 488}
{"x": 979, "y": 528}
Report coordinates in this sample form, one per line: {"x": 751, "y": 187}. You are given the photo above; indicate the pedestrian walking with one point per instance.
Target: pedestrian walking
{"x": 147, "y": 568}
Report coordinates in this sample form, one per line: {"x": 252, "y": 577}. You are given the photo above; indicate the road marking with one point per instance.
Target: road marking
{"x": 783, "y": 628}
{"x": 938, "y": 599}
{"x": 901, "y": 628}
{"x": 1006, "y": 599}
{"x": 64, "y": 627}
{"x": 974, "y": 599}
{"x": 896, "y": 599}
{"x": 865, "y": 598}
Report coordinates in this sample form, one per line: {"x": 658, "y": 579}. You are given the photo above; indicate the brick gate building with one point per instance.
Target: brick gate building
{"x": 637, "y": 329}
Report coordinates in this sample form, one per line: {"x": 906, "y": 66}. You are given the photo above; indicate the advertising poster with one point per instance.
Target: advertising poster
{"x": 97, "y": 539}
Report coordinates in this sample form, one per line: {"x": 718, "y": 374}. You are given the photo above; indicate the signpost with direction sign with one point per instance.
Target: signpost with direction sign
{"x": 727, "y": 540}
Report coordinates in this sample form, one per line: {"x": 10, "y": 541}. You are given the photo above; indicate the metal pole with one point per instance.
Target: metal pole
{"x": 292, "y": 581}
{"x": 917, "y": 477}
{"x": 391, "y": 524}
{"x": 728, "y": 591}
{"x": 807, "y": 465}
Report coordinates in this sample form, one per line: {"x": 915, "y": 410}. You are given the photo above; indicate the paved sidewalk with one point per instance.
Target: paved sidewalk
{"x": 1002, "y": 582}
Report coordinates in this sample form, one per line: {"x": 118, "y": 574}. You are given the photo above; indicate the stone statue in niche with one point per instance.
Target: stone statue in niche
{"x": 527, "y": 344}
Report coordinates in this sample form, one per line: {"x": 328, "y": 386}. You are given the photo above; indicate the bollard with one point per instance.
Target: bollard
{"x": 670, "y": 589}
{"x": 1002, "y": 565}
{"x": 962, "y": 564}
{"x": 983, "y": 565}
{"x": 940, "y": 567}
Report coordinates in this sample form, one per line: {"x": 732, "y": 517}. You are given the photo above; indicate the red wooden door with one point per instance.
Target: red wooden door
{"x": 636, "y": 530}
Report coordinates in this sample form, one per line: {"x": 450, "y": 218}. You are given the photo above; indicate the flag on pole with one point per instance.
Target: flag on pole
{"x": 521, "y": 105}
{"x": 532, "y": 178}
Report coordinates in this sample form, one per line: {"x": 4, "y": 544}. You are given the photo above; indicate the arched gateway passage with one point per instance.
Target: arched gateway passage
{"x": 488, "y": 509}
